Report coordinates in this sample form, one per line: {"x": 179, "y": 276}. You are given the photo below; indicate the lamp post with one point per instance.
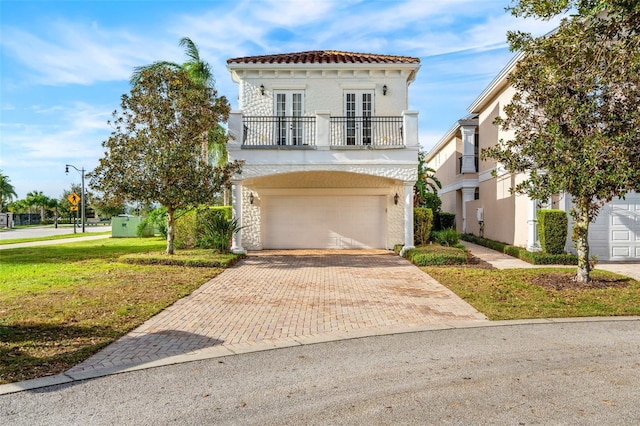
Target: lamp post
{"x": 66, "y": 170}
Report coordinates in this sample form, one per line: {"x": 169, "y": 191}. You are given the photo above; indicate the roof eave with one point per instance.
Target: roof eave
{"x": 497, "y": 84}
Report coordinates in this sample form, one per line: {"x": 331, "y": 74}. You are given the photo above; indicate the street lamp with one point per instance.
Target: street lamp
{"x": 66, "y": 170}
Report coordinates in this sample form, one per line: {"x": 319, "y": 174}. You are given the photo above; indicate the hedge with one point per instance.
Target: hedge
{"x": 552, "y": 230}
{"x": 535, "y": 258}
{"x": 430, "y": 255}
{"x": 447, "y": 220}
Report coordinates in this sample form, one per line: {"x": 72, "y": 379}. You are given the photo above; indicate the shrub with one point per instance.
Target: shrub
{"x": 448, "y": 237}
{"x": 447, "y": 220}
{"x": 422, "y": 223}
{"x": 552, "y": 230}
{"x": 436, "y": 255}
{"x": 432, "y": 201}
{"x": 216, "y": 233}
{"x": 156, "y": 220}
{"x": 185, "y": 232}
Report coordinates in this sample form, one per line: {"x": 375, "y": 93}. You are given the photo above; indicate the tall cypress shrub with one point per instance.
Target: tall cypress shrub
{"x": 552, "y": 230}
{"x": 422, "y": 223}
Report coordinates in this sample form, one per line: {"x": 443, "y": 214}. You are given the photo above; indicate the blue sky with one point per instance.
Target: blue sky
{"x": 65, "y": 64}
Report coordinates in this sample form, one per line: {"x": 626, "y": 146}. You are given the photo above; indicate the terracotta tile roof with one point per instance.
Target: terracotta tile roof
{"x": 324, "y": 57}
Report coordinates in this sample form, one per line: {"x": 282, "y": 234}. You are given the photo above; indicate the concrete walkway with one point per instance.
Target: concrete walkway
{"x": 278, "y": 299}
{"x": 503, "y": 261}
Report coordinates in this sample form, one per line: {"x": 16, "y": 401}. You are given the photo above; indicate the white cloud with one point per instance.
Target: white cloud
{"x": 79, "y": 52}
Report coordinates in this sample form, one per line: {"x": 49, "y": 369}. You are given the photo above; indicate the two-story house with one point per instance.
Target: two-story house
{"x": 329, "y": 149}
{"x": 479, "y": 192}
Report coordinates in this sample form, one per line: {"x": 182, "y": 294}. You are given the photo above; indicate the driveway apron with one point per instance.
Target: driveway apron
{"x": 282, "y": 298}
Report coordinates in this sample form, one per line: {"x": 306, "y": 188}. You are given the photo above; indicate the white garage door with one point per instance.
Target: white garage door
{"x": 615, "y": 235}
{"x": 326, "y": 222}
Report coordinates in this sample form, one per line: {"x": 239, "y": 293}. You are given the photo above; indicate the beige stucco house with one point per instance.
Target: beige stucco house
{"x": 483, "y": 203}
{"x": 329, "y": 149}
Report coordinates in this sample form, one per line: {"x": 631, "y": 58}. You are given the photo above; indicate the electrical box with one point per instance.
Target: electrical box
{"x": 480, "y": 214}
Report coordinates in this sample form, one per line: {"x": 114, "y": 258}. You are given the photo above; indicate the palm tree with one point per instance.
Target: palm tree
{"x": 199, "y": 71}
{"x": 426, "y": 180}
{"x": 38, "y": 199}
{"x": 7, "y": 191}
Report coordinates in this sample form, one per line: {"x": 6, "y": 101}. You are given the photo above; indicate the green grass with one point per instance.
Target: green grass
{"x": 509, "y": 294}
{"x": 61, "y": 304}
{"x": 52, "y": 237}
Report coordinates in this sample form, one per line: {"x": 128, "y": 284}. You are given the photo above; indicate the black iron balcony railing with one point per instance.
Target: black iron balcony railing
{"x": 279, "y": 131}
{"x": 366, "y": 131}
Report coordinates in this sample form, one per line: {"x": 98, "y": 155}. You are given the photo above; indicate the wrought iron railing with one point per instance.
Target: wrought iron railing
{"x": 366, "y": 131}
{"x": 279, "y": 131}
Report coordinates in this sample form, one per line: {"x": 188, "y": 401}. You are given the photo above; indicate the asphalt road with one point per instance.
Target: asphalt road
{"x": 47, "y": 231}
{"x": 568, "y": 373}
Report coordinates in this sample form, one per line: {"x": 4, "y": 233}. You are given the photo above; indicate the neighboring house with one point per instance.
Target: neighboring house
{"x": 329, "y": 149}
{"x": 483, "y": 203}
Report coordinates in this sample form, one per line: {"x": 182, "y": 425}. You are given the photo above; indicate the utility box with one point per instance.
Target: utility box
{"x": 126, "y": 226}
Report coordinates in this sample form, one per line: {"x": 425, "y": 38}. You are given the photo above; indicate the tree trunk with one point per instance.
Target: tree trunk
{"x": 581, "y": 238}
{"x": 170, "y": 230}
{"x": 225, "y": 195}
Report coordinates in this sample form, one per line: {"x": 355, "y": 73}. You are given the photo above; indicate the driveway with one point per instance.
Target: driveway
{"x": 287, "y": 298}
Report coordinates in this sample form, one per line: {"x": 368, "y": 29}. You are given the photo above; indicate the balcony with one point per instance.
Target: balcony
{"x": 322, "y": 131}
{"x": 366, "y": 132}
{"x": 279, "y": 132}
{"x": 467, "y": 164}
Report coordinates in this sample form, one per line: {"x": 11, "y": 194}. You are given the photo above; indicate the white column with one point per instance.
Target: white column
{"x": 323, "y": 128}
{"x": 408, "y": 217}
{"x": 532, "y": 226}
{"x": 468, "y": 194}
{"x": 410, "y": 128}
{"x": 236, "y": 195}
{"x": 468, "y": 149}
{"x": 236, "y": 129}
{"x": 565, "y": 204}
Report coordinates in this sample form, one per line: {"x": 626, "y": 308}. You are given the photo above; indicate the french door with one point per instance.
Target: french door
{"x": 289, "y": 107}
{"x": 358, "y": 107}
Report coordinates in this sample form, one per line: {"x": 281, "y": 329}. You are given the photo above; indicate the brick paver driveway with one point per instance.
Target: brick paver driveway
{"x": 282, "y": 298}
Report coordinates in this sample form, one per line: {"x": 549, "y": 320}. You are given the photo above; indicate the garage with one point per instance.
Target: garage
{"x": 323, "y": 222}
{"x": 615, "y": 235}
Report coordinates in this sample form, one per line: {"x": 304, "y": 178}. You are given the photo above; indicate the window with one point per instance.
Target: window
{"x": 476, "y": 151}
{"x": 358, "y": 108}
{"x": 289, "y": 107}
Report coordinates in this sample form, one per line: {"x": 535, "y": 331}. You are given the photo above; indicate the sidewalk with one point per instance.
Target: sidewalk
{"x": 504, "y": 261}
{"x": 52, "y": 242}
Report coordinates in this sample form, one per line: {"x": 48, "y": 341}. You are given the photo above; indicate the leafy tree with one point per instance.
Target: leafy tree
{"x": 575, "y": 115}
{"x": 427, "y": 182}
{"x": 7, "y": 191}
{"x": 154, "y": 152}
{"x": 214, "y": 147}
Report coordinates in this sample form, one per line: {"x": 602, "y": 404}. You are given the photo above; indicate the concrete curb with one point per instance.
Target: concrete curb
{"x": 243, "y": 348}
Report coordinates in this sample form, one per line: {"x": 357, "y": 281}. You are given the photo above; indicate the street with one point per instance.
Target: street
{"x": 516, "y": 373}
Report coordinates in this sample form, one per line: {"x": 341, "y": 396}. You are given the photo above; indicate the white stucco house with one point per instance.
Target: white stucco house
{"x": 483, "y": 203}
{"x": 329, "y": 149}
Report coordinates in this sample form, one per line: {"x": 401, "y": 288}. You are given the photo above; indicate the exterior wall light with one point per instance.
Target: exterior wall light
{"x": 396, "y": 198}
{"x": 384, "y": 93}
{"x": 251, "y": 198}
{"x": 262, "y": 89}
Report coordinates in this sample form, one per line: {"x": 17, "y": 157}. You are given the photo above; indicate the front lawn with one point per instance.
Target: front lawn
{"x": 61, "y": 304}
{"x": 539, "y": 292}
